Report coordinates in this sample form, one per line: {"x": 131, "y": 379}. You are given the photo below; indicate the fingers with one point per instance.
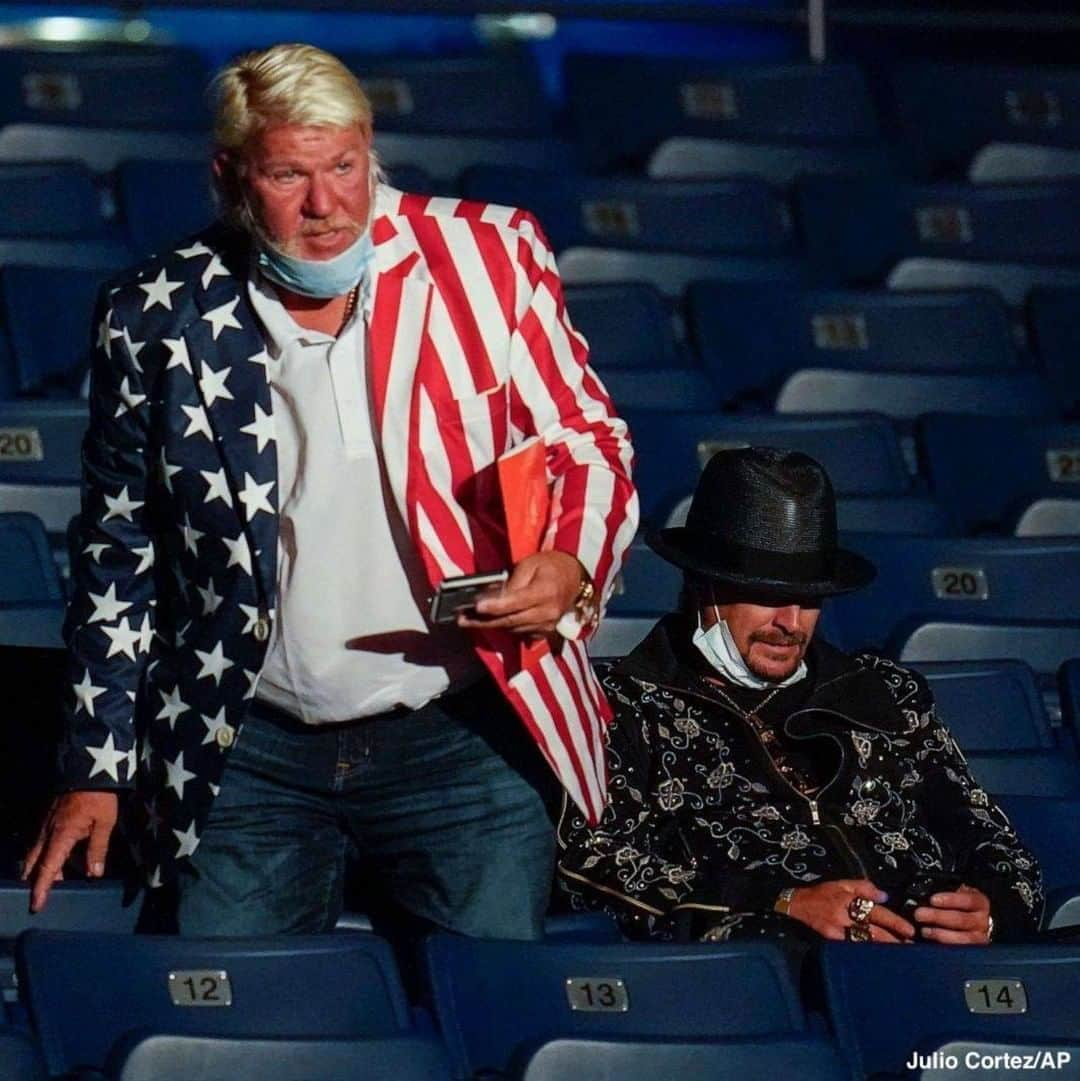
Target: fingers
{"x": 880, "y": 934}
{"x": 96, "y": 850}
{"x": 889, "y": 921}
{"x": 863, "y": 887}
{"x": 954, "y": 938}
{"x": 34, "y": 854}
{"x": 963, "y": 900}
{"x": 950, "y": 919}
{"x": 535, "y": 620}
{"x": 51, "y": 867}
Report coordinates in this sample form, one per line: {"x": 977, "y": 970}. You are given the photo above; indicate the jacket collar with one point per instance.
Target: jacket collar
{"x": 844, "y": 692}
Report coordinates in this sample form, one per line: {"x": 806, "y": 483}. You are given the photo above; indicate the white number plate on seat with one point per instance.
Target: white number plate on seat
{"x": 200, "y": 987}
{"x": 960, "y": 584}
{"x": 1063, "y": 464}
{"x": 21, "y": 445}
{"x": 995, "y": 996}
{"x": 597, "y": 994}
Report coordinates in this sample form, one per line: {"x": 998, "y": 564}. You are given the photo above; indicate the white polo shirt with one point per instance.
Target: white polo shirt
{"x": 350, "y": 638}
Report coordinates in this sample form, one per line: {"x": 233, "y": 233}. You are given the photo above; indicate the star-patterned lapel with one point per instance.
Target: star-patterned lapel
{"x": 228, "y": 361}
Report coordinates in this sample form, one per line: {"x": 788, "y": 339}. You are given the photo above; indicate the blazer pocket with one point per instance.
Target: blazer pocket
{"x": 475, "y": 408}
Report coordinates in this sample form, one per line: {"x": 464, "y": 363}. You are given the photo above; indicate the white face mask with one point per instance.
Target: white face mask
{"x": 717, "y": 645}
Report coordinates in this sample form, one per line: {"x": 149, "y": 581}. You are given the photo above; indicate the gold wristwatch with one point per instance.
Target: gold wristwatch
{"x": 585, "y": 603}
{"x": 783, "y": 901}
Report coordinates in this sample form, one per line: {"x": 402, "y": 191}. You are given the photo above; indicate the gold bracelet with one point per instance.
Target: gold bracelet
{"x": 783, "y": 901}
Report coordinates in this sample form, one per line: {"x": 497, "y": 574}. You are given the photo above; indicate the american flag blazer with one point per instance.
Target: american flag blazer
{"x": 470, "y": 351}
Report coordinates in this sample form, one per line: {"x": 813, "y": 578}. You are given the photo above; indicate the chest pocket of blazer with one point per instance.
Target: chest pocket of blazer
{"x": 486, "y": 408}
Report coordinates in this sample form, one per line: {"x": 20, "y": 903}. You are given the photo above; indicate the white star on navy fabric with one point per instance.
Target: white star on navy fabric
{"x": 106, "y": 606}
{"x": 222, "y": 317}
{"x": 86, "y": 692}
{"x": 192, "y": 536}
{"x": 198, "y": 248}
{"x": 262, "y": 427}
{"x": 146, "y": 558}
{"x": 239, "y": 552}
{"x": 214, "y": 725}
{"x": 214, "y": 269}
{"x": 253, "y": 682}
{"x": 133, "y": 348}
{"x": 146, "y": 634}
{"x": 189, "y": 841}
{"x": 178, "y": 354}
{"x": 254, "y": 496}
{"x": 159, "y": 291}
{"x": 168, "y": 471}
{"x": 251, "y": 614}
{"x": 176, "y": 775}
{"x": 106, "y": 758}
{"x": 217, "y": 486}
{"x": 212, "y": 384}
{"x": 128, "y": 400}
{"x": 210, "y": 598}
{"x": 94, "y": 550}
{"x": 106, "y": 334}
{"x": 199, "y": 421}
{"x": 172, "y": 707}
{"x": 122, "y": 639}
{"x": 213, "y": 664}
{"x": 132, "y": 764}
{"x": 122, "y": 506}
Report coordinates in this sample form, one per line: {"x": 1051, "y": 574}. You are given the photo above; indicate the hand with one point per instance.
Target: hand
{"x": 824, "y": 908}
{"x": 541, "y": 589}
{"x": 73, "y": 817}
{"x": 961, "y": 918}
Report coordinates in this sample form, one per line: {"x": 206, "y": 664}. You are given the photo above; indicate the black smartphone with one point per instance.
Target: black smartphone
{"x": 457, "y": 594}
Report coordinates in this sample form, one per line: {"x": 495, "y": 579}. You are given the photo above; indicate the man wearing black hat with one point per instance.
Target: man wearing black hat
{"x": 764, "y": 783}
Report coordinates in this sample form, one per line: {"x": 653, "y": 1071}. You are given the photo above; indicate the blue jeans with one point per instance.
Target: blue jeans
{"x": 444, "y": 803}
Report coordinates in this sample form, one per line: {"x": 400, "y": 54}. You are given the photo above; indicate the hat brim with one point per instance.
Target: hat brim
{"x": 850, "y": 571}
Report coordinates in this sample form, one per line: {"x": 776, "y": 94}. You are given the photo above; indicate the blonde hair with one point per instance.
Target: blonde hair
{"x": 285, "y": 84}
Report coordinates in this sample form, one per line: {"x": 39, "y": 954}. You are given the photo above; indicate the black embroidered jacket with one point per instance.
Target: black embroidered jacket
{"x": 702, "y": 830}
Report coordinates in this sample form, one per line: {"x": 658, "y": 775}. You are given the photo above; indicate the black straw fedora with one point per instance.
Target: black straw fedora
{"x": 764, "y": 519}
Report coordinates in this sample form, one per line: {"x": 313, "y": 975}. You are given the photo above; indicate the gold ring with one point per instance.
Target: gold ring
{"x": 859, "y": 909}
{"x": 858, "y": 932}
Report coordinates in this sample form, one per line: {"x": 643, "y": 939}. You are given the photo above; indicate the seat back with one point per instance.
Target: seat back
{"x": 904, "y": 514}
{"x": 737, "y": 216}
{"x": 975, "y": 580}
{"x": 20, "y": 1059}
{"x": 55, "y": 200}
{"x": 1010, "y": 163}
{"x": 1042, "y": 645}
{"x": 1023, "y": 460}
{"x": 49, "y": 311}
{"x": 861, "y": 453}
{"x": 626, "y": 326}
{"x": 1056, "y": 328}
{"x": 990, "y": 705}
{"x": 1012, "y": 281}
{"x": 647, "y": 584}
{"x": 962, "y": 991}
{"x": 84, "y": 992}
{"x": 41, "y": 442}
{"x": 492, "y": 998}
{"x": 28, "y": 574}
{"x": 104, "y": 87}
{"x": 623, "y": 106}
{"x": 678, "y": 390}
{"x": 161, "y": 202}
{"x": 1043, "y": 774}
{"x": 497, "y": 94}
{"x": 1051, "y": 829}
{"x": 751, "y": 337}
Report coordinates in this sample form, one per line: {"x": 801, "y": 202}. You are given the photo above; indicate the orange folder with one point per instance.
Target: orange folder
{"x": 526, "y": 500}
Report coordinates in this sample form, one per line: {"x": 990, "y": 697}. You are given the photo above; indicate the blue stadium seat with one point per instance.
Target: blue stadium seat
{"x": 1051, "y": 829}
{"x": 52, "y": 201}
{"x": 49, "y": 312}
{"x": 744, "y": 217}
{"x": 446, "y": 157}
{"x": 672, "y": 272}
{"x": 902, "y": 514}
{"x": 619, "y": 635}
{"x": 20, "y": 1059}
{"x": 85, "y": 992}
{"x": 89, "y": 254}
{"x": 1050, "y": 518}
{"x": 101, "y": 149}
{"x": 906, "y": 395}
{"x": 581, "y": 927}
{"x": 494, "y": 999}
{"x": 42, "y": 441}
{"x": 933, "y": 580}
{"x": 806, "y": 1057}
{"x": 750, "y": 337}
{"x": 990, "y": 468}
{"x": 1012, "y": 281}
{"x": 1041, "y": 644}
{"x": 685, "y": 158}
{"x": 1016, "y": 163}
{"x": 161, "y": 202}
{"x": 861, "y": 453}
{"x": 991, "y": 706}
{"x": 1056, "y": 328}
{"x": 949, "y": 111}
{"x": 857, "y": 229}
{"x": 160, "y": 1057}
{"x": 32, "y": 624}
{"x": 646, "y": 586}
{"x": 104, "y": 87}
{"x": 27, "y": 572}
{"x": 626, "y": 326}
{"x": 931, "y": 992}
{"x": 623, "y": 106}
{"x": 416, "y": 181}
{"x": 496, "y": 94}
{"x": 674, "y": 390}
{"x": 1042, "y": 774}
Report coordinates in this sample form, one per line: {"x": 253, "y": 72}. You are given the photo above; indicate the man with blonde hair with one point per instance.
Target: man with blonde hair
{"x": 295, "y": 423}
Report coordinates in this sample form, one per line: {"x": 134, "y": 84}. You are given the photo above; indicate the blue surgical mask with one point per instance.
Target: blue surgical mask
{"x": 322, "y": 278}
{"x": 717, "y": 645}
